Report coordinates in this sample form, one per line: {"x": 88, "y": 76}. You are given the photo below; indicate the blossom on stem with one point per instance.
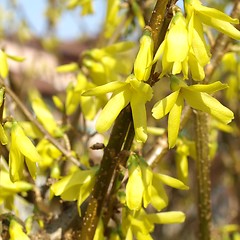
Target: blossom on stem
{"x": 198, "y": 97}
{"x": 132, "y": 91}
{"x": 174, "y": 49}
{"x": 146, "y": 187}
{"x": 140, "y": 224}
{"x": 21, "y": 148}
{"x": 143, "y": 62}
{"x": 197, "y": 15}
{"x": 75, "y": 186}
{"x": 212, "y": 17}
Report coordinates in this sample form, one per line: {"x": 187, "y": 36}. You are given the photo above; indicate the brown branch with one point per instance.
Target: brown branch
{"x": 220, "y": 47}
{"x": 121, "y": 130}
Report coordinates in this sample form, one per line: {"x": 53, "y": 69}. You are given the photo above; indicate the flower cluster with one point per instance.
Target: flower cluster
{"x": 145, "y": 187}
{"x": 21, "y": 148}
{"x": 190, "y": 51}
{"x": 75, "y": 186}
{"x": 140, "y": 224}
{"x": 198, "y": 97}
{"x": 133, "y": 91}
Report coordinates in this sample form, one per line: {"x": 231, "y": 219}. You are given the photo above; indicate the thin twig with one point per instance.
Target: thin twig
{"x": 46, "y": 134}
{"x": 220, "y": 47}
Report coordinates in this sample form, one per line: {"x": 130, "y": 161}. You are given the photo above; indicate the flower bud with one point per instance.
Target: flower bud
{"x": 143, "y": 62}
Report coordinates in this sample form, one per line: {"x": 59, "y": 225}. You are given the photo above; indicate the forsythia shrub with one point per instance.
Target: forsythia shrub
{"x": 128, "y": 189}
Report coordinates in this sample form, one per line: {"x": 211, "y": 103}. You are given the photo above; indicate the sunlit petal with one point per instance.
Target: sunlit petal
{"x": 208, "y": 88}
{"x": 163, "y": 107}
{"x": 139, "y": 118}
{"x": 222, "y": 26}
{"x": 167, "y": 217}
{"x": 134, "y": 188}
{"x": 106, "y": 88}
{"x": 206, "y": 103}
{"x": 170, "y": 181}
{"x": 174, "y": 121}
{"x": 112, "y": 110}
{"x": 214, "y": 13}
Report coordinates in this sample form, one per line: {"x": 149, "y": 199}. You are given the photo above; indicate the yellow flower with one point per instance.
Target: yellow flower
{"x": 16, "y": 231}
{"x": 212, "y": 17}
{"x": 21, "y": 148}
{"x": 197, "y": 15}
{"x": 146, "y": 187}
{"x": 106, "y": 65}
{"x": 198, "y": 97}
{"x": 174, "y": 49}
{"x": 75, "y": 186}
{"x": 140, "y": 224}
{"x": 132, "y": 91}
{"x": 9, "y": 189}
{"x": 143, "y": 62}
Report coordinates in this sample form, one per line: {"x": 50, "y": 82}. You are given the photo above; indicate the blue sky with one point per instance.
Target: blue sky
{"x": 71, "y": 25}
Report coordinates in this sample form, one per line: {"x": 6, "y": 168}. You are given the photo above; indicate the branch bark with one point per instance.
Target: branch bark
{"x": 121, "y": 130}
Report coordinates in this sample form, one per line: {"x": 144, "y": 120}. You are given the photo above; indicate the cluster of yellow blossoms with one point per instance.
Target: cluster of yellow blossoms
{"x": 184, "y": 50}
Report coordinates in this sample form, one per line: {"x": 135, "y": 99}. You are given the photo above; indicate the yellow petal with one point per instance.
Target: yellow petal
{"x": 142, "y": 64}
{"x": 10, "y": 187}
{"x": 106, "y": 88}
{"x": 134, "y": 187}
{"x": 119, "y": 47}
{"x": 24, "y": 144}
{"x": 139, "y": 119}
{"x": 167, "y": 217}
{"x": 112, "y": 110}
{"x": 196, "y": 69}
{"x": 163, "y": 107}
{"x": 182, "y": 167}
{"x": 208, "y": 88}
{"x": 16, "y": 163}
{"x": 172, "y": 182}
{"x": 16, "y": 231}
{"x": 177, "y": 50}
{"x": 214, "y": 13}
{"x": 147, "y": 176}
{"x": 174, "y": 121}
{"x": 3, "y": 136}
{"x": 159, "y": 198}
{"x": 85, "y": 191}
{"x": 206, "y": 103}
{"x": 32, "y": 168}
{"x": 70, "y": 67}
{"x": 198, "y": 43}
{"x": 159, "y": 52}
{"x": 223, "y": 27}
{"x": 3, "y": 64}
{"x": 142, "y": 89}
